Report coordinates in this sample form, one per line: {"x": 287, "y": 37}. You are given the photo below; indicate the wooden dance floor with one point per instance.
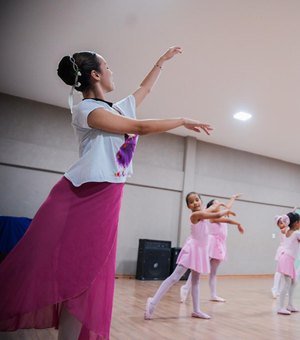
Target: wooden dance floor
{"x": 248, "y": 314}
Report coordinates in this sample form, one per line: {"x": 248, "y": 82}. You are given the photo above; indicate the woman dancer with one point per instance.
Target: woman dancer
{"x": 193, "y": 255}
{"x": 61, "y": 274}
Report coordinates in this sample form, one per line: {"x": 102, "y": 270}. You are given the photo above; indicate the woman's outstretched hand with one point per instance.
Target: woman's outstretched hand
{"x": 194, "y": 125}
{"x": 171, "y": 52}
{"x": 151, "y": 78}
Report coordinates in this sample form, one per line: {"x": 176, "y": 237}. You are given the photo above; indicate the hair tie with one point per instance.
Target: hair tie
{"x": 76, "y": 82}
{"x": 77, "y": 71}
{"x": 284, "y": 219}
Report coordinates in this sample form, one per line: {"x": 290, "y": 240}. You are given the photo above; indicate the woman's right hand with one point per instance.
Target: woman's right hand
{"x": 195, "y": 125}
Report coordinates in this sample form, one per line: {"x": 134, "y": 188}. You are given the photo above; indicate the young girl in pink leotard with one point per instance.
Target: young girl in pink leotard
{"x": 217, "y": 249}
{"x": 286, "y": 264}
{"x": 282, "y": 223}
{"x": 193, "y": 255}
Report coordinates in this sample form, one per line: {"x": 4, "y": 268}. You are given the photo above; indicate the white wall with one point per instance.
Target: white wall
{"x": 37, "y": 145}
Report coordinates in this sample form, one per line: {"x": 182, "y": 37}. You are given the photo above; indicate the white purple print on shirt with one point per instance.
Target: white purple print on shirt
{"x": 125, "y": 153}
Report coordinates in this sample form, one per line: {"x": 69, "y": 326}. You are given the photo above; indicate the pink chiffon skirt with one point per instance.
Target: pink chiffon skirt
{"x": 286, "y": 265}
{"x": 279, "y": 251}
{"x": 66, "y": 256}
{"x": 217, "y": 247}
{"x": 194, "y": 256}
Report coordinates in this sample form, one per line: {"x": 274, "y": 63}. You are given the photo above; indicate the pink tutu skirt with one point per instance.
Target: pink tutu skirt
{"x": 286, "y": 265}
{"x": 194, "y": 256}
{"x": 66, "y": 256}
{"x": 217, "y": 248}
{"x": 279, "y": 251}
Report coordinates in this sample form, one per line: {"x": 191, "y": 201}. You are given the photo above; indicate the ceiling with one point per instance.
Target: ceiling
{"x": 239, "y": 55}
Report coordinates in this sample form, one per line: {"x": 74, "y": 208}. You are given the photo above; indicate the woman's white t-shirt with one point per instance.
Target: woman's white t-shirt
{"x": 104, "y": 156}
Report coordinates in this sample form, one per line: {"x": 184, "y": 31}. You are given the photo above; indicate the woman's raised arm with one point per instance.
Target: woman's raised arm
{"x": 151, "y": 78}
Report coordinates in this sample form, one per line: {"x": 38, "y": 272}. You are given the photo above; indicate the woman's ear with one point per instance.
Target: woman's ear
{"x": 95, "y": 75}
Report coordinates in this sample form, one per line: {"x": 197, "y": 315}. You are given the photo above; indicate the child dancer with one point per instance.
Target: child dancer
{"x": 297, "y": 262}
{"x": 286, "y": 264}
{"x": 282, "y": 223}
{"x": 193, "y": 255}
{"x": 297, "y": 265}
{"x": 216, "y": 249}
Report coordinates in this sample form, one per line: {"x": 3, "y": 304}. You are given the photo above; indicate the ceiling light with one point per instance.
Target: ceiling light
{"x": 242, "y": 116}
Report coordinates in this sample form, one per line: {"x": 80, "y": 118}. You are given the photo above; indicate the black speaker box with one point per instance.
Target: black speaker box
{"x": 174, "y": 254}
{"x": 154, "y": 258}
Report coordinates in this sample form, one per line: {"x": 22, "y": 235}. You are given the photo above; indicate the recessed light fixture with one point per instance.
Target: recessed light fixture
{"x": 242, "y": 116}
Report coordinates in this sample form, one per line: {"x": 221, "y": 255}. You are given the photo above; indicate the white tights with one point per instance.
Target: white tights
{"x": 69, "y": 327}
{"x": 172, "y": 279}
{"x": 288, "y": 287}
{"x": 278, "y": 283}
{"x": 214, "y": 264}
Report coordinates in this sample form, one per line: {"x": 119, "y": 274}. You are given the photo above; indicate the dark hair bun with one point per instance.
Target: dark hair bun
{"x": 294, "y": 217}
{"x": 210, "y": 203}
{"x": 65, "y": 71}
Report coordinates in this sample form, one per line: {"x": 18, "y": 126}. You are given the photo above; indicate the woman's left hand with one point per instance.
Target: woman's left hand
{"x": 171, "y": 52}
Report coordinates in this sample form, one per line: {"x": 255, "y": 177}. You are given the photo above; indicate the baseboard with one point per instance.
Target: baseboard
{"x": 235, "y": 276}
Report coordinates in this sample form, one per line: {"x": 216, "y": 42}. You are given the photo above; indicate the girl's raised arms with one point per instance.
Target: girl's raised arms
{"x": 206, "y": 214}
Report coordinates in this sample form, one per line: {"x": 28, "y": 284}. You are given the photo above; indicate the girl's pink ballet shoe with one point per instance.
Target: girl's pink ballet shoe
{"x": 292, "y": 309}
{"x": 200, "y": 315}
{"x": 217, "y": 299}
{"x": 283, "y": 311}
{"x": 149, "y": 309}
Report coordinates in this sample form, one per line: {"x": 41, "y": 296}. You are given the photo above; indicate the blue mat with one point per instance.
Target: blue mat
{"x": 11, "y": 231}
